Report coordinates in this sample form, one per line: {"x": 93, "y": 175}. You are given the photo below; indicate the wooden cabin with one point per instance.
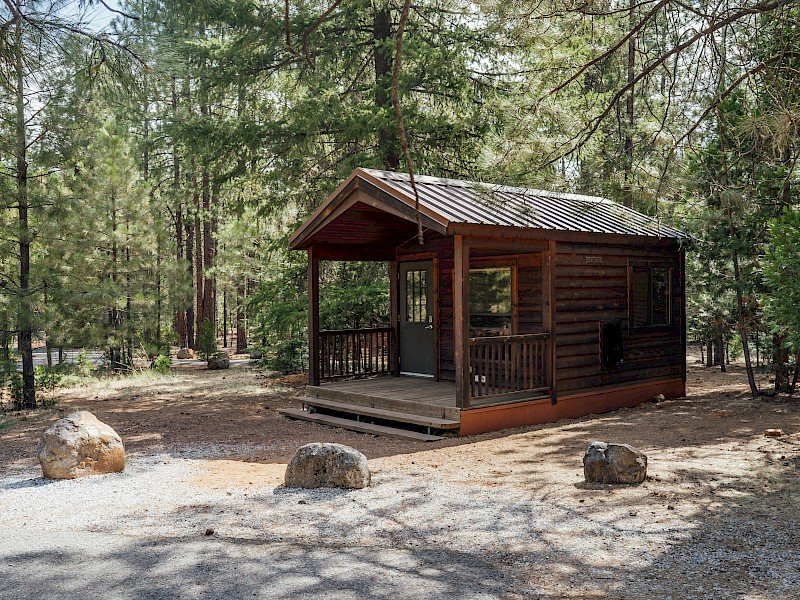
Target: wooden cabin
{"x": 521, "y": 307}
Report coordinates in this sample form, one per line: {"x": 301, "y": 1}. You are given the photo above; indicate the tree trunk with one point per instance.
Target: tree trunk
{"x": 629, "y": 111}
{"x": 25, "y": 339}
{"x": 720, "y": 347}
{"x": 388, "y": 150}
{"x": 198, "y": 279}
{"x": 179, "y": 319}
{"x": 780, "y": 358}
{"x": 710, "y": 353}
{"x": 225, "y": 318}
{"x": 241, "y": 325}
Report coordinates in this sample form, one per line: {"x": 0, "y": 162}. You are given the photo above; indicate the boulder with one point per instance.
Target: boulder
{"x": 185, "y": 353}
{"x": 79, "y": 445}
{"x": 774, "y": 433}
{"x": 219, "y": 361}
{"x": 606, "y": 462}
{"x": 255, "y": 354}
{"x": 327, "y": 465}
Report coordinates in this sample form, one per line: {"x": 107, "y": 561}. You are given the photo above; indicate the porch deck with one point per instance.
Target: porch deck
{"x": 414, "y": 395}
{"x": 408, "y": 394}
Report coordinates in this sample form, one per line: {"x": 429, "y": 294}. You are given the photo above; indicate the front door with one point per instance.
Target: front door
{"x": 417, "y": 341}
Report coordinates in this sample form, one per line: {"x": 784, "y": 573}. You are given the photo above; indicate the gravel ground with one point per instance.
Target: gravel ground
{"x": 500, "y": 517}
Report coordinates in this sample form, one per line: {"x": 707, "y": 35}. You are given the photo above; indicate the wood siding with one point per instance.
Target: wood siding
{"x": 591, "y": 288}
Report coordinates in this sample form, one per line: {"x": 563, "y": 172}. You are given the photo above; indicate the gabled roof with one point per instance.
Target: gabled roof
{"x": 452, "y": 201}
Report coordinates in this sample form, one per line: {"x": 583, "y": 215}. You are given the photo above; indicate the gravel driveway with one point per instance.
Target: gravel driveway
{"x": 502, "y": 516}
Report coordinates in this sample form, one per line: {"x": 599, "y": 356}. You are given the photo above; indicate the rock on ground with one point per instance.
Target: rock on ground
{"x": 78, "y": 445}
{"x": 185, "y": 353}
{"x": 219, "y": 361}
{"x": 606, "y": 462}
{"x": 327, "y": 465}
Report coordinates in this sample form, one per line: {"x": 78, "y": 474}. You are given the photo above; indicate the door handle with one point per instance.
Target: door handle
{"x": 429, "y": 327}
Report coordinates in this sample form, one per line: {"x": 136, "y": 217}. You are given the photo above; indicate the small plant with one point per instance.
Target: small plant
{"x": 11, "y": 377}
{"x": 162, "y": 364}
{"x": 207, "y": 340}
{"x": 47, "y": 380}
{"x": 83, "y": 364}
{"x": 288, "y": 356}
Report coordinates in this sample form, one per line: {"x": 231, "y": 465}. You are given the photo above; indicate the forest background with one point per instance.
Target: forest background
{"x": 155, "y": 156}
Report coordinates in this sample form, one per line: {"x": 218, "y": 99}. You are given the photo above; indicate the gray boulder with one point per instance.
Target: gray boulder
{"x": 614, "y": 463}
{"x": 219, "y": 361}
{"x": 79, "y": 445}
{"x": 327, "y": 465}
{"x": 185, "y": 353}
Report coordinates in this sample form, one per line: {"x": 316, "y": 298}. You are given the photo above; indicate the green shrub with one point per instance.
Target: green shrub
{"x": 47, "y": 380}
{"x": 11, "y": 378}
{"x": 83, "y": 364}
{"x": 162, "y": 364}
{"x": 207, "y": 340}
{"x": 288, "y": 356}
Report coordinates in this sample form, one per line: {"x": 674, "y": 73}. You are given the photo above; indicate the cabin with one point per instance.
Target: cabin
{"x": 520, "y": 307}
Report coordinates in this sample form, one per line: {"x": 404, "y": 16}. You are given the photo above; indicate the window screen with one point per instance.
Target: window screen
{"x": 417, "y": 296}
{"x": 651, "y": 293}
{"x": 490, "y": 302}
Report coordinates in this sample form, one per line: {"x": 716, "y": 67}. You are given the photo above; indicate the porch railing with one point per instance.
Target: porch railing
{"x": 354, "y": 352}
{"x": 504, "y": 365}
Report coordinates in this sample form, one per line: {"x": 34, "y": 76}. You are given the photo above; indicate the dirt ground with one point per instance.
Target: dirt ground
{"x": 717, "y": 516}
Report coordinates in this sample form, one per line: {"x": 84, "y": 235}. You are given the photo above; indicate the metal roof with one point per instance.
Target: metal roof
{"x": 473, "y": 202}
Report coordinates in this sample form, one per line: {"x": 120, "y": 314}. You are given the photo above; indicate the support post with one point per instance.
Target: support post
{"x": 549, "y": 316}
{"x": 461, "y": 320}
{"x": 313, "y": 318}
{"x": 394, "y": 298}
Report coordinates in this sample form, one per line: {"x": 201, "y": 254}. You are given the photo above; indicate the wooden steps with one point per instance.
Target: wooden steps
{"x": 403, "y": 396}
{"x": 380, "y": 413}
{"x": 352, "y": 425}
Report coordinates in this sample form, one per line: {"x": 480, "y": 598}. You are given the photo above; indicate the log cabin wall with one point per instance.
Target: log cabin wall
{"x": 592, "y": 287}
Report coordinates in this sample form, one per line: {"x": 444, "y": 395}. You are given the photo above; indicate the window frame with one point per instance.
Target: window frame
{"x": 497, "y": 263}
{"x": 650, "y": 266}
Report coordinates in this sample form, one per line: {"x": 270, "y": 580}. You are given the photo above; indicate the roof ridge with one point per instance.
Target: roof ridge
{"x": 466, "y": 183}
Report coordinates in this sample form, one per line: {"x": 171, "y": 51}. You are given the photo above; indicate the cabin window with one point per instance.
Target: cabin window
{"x": 490, "y": 302}
{"x": 651, "y": 296}
{"x": 417, "y": 296}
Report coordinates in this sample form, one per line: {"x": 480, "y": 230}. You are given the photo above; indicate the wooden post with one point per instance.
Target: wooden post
{"x": 682, "y": 283}
{"x": 549, "y": 316}
{"x": 313, "y": 318}
{"x": 461, "y": 320}
{"x": 394, "y": 299}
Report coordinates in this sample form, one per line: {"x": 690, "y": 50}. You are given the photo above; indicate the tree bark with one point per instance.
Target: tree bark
{"x": 382, "y": 52}
{"x": 198, "y": 278}
{"x": 179, "y": 318}
{"x": 241, "y": 325}
{"x": 629, "y": 111}
{"x": 25, "y": 339}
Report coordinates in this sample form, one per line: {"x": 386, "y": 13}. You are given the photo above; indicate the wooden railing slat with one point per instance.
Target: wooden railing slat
{"x": 507, "y": 364}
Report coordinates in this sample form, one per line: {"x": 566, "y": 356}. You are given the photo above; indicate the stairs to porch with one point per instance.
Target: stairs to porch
{"x": 403, "y": 407}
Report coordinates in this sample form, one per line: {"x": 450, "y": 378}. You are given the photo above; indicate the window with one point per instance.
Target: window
{"x": 417, "y": 296}
{"x": 651, "y": 295}
{"x": 490, "y": 302}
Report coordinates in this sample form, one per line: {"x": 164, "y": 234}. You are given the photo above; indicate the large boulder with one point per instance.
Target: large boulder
{"x": 327, "y": 465}
{"x": 219, "y": 361}
{"x": 79, "y": 445}
{"x": 606, "y": 462}
{"x": 185, "y": 353}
